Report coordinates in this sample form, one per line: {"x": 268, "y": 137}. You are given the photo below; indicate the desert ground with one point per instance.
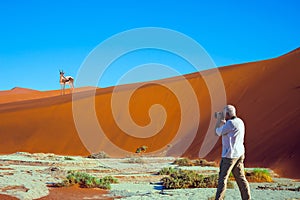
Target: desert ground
{"x": 26, "y": 176}
{"x": 266, "y": 94}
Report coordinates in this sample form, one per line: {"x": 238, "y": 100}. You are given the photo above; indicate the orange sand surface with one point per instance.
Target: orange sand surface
{"x": 7, "y": 197}
{"x": 266, "y": 94}
{"x": 75, "y": 193}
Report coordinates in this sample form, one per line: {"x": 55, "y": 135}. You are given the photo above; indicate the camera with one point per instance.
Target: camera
{"x": 219, "y": 115}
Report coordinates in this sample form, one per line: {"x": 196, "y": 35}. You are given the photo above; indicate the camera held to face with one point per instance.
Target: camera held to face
{"x": 219, "y": 115}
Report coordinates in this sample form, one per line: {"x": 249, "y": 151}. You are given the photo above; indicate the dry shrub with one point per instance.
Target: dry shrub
{"x": 167, "y": 171}
{"x": 205, "y": 163}
{"x": 178, "y": 179}
{"x": 197, "y": 162}
{"x": 183, "y": 162}
{"x": 85, "y": 180}
{"x": 99, "y": 155}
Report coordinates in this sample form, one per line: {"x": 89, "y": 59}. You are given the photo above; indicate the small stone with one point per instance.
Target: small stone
{"x": 54, "y": 169}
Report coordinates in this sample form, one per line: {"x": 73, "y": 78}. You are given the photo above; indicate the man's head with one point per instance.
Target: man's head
{"x": 229, "y": 112}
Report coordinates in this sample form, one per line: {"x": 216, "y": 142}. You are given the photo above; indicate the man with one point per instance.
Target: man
{"x": 232, "y": 130}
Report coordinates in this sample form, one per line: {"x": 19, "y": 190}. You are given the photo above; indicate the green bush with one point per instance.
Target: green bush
{"x": 141, "y": 149}
{"x": 85, "y": 180}
{"x": 110, "y": 179}
{"x": 259, "y": 175}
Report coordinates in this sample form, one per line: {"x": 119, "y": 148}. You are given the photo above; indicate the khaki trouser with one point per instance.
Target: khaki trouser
{"x": 236, "y": 165}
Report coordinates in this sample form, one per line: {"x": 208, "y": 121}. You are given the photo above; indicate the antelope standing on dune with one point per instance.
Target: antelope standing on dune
{"x": 63, "y": 80}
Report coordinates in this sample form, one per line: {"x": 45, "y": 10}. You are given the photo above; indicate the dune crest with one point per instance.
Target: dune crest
{"x": 266, "y": 94}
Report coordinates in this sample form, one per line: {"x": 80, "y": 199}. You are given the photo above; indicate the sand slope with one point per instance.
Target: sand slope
{"x": 22, "y": 94}
{"x": 266, "y": 94}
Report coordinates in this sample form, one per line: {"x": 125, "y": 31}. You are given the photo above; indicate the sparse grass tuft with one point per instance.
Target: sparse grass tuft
{"x": 68, "y": 158}
{"x": 230, "y": 184}
{"x": 85, "y": 180}
{"x": 134, "y": 159}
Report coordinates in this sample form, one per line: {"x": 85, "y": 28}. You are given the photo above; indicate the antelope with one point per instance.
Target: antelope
{"x": 63, "y": 80}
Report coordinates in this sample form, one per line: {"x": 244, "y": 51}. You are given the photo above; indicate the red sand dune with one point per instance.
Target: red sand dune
{"x": 22, "y": 94}
{"x": 266, "y": 94}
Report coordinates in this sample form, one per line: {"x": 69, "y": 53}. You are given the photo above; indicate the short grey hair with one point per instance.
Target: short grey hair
{"x": 230, "y": 109}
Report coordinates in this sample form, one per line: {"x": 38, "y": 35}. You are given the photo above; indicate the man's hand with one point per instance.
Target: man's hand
{"x": 220, "y": 121}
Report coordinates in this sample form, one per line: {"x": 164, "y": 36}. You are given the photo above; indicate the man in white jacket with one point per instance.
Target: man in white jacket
{"x": 232, "y": 130}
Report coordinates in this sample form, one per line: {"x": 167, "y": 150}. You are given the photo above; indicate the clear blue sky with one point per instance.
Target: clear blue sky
{"x": 38, "y": 38}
